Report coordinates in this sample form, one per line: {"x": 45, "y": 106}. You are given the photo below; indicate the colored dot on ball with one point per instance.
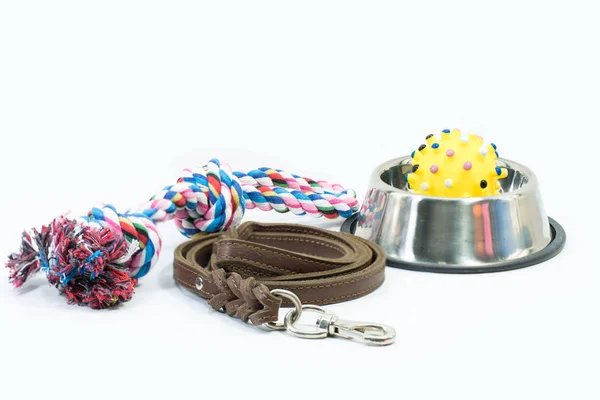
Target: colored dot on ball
{"x": 421, "y": 147}
{"x": 412, "y": 155}
{"x": 483, "y": 184}
{"x": 428, "y": 136}
{"x": 448, "y": 183}
{"x": 499, "y": 171}
{"x": 497, "y": 154}
{"x": 415, "y": 167}
{"x": 494, "y": 146}
{"x": 435, "y": 145}
{"x": 424, "y": 186}
{"x": 467, "y": 166}
{"x": 434, "y": 168}
{"x": 446, "y": 131}
{"x": 450, "y": 153}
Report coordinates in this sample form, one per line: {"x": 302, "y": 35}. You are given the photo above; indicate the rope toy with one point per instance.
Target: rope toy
{"x": 455, "y": 166}
{"x": 97, "y": 259}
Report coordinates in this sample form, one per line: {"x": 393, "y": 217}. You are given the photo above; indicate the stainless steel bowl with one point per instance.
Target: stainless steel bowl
{"x": 463, "y": 235}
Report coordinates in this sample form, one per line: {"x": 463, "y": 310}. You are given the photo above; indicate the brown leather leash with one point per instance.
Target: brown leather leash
{"x": 251, "y": 271}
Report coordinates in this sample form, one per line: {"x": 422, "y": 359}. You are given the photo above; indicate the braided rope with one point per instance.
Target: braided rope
{"x": 270, "y": 189}
{"x": 96, "y": 259}
{"x": 275, "y": 177}
{"x": 209, "y": 199}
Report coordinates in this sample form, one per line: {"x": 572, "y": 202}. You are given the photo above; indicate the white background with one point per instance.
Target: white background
{"x": 108, "y": 101}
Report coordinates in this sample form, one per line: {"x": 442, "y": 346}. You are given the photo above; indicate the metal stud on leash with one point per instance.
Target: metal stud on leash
{"x": 330, "y": 325}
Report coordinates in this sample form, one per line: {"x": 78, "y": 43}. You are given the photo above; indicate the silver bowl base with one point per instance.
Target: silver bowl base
{"x": 555, "y": 246}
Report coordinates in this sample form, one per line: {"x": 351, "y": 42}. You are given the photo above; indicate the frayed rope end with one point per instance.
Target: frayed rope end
{"x": 30, "y": 259}
{"x": 87, "y": 264}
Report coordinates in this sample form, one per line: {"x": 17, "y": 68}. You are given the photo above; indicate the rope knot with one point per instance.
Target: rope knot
{"x": 137, "y": 229}
{"x": 206, "y": 199}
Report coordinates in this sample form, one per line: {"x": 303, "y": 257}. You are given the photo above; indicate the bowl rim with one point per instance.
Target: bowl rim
{"x": 530, "y": 186}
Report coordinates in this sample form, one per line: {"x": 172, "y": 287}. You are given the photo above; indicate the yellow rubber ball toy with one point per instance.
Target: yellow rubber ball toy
{"x": 455, "y": 166}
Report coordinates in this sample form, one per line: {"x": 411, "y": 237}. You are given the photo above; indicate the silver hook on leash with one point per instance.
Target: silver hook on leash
{"x": 329, "y": 324}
